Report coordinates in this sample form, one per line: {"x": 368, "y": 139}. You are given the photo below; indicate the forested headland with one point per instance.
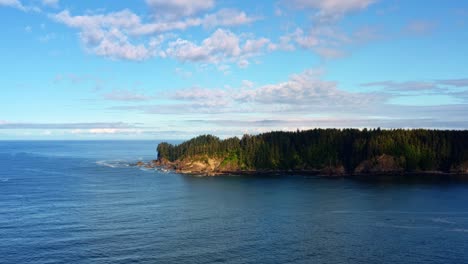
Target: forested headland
{"x": 334, "y": 151}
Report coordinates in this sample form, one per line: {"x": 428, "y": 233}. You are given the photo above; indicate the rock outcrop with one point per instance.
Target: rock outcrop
{"x": 381, "y": 164}
{"x": 462, "y": 168}
{"x": 200, "y": 165}
{"x": 333, "y": 171}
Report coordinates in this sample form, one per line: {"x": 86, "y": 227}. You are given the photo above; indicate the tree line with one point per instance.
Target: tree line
{"x": 418, "y": 149}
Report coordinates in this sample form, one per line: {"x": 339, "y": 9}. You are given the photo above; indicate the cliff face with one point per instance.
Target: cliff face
{"x": 202, "y": 165}
{"x": 381, "y": 164}
{"x": 212, "y": 166}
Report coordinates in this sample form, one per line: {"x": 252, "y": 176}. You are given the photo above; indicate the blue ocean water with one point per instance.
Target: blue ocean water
{"x": 80, "y": 202}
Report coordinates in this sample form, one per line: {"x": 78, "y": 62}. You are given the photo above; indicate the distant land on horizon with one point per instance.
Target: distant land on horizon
{"x": 324, "y": 151}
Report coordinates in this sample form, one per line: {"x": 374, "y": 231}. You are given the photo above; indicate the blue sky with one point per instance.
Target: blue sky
{"x": 173, "y": 69}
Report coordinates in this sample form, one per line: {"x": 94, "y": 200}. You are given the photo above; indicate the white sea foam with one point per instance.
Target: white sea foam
{"x": 442, "y": 220}
{"x": 405, "y": 226}
{"x": 146, "y": 169}
{"x": 113, "y": 163}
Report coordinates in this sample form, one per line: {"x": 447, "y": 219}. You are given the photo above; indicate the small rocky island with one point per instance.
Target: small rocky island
{"x": 330, "y": 152}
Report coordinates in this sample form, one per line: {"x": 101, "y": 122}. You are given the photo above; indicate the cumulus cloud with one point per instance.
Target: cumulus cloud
{"x": 326, "y": 10}
{"x": 172, "y": 9}
{"x": 222, "y": 45}
{"x": 307, "y": 88}
{"x": 106, "y": 35}
{"x": 219, "y": 45}
{"x": 123, "y": 34}
{"x": 325, "y": 38}
{"x": 327, "y": 41}
{"x": 227, "y": 17}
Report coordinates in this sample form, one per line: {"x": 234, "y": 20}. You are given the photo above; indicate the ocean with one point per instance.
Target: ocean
{"x": 81, "y": 202}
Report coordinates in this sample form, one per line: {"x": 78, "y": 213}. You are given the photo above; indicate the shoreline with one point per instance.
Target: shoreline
{"x": 386, "y": 175}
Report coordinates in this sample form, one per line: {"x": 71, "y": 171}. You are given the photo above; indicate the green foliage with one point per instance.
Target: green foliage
{"x": 230, "y": 159}
{"x": 319, "y": 148}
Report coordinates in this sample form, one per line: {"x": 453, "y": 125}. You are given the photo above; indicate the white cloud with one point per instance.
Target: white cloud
{"x": 107, "y": 35}
{"x": 325, "y": 38}
{"x": 159, "y": 27}
{"x": 47, "y": 133}
{"x": 327, "y": 41}
{"x": 305, "y": 91}
{"x": 103, "y": 130}
{"x": 221, "y": 46}
{"x": 227, "y": 17}
{"x": 131, "y": 23}
{"x": 173, "y": 9}
{"x": 123, "y": 35}
{"x": 51, "y": 3}
{"x": 307, "y": 100}
{"x": 113, "y": 125}
{"x": 303, "y": 40}
{"x": 247, "y": 84}
{"x": 13, "y": 3}
{"x": 306, "y": 88}
{"x": 120, "y": 19}
{"x": 255, "y": 45}
{"x": 120, "y": 48}
{"x": 106, "y": 131}
{"x": 330, "y": 53}
{"x": 202, "y": 94}
{"x": 126, "y": 95}
{"x": 243, "y": 63}
{"x": 19, "y": 5}
{"x": 326, "y": 10}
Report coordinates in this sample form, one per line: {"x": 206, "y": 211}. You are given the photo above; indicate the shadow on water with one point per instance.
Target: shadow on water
{"x": 414, "y": 179}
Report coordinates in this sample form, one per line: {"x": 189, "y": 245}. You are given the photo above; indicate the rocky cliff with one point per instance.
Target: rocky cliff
{"x": 212, "y": 166}
{"x": 381, "y": 164}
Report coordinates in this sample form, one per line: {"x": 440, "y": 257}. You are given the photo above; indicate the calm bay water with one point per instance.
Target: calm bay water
{"x": 79, "y": 202}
